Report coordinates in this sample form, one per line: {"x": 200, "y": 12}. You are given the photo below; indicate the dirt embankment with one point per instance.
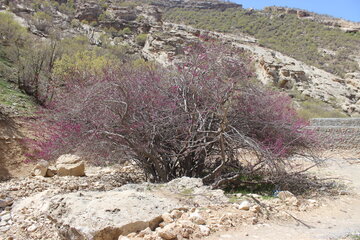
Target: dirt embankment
{"x": 11, "y": 149}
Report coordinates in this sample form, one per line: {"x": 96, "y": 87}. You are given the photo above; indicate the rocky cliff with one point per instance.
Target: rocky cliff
{"x": 165, "y": 41}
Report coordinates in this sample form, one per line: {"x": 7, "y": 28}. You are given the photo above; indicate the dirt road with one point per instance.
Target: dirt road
{"x": 335, "y": 219}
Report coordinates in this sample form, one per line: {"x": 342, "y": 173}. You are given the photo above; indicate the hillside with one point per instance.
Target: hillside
{"x": 331, "y": 49}
{"x": 177, "y": 119}
{"x": 314, "y": 40}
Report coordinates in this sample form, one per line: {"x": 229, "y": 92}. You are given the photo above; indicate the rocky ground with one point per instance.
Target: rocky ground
{"x": 101, "y": 205}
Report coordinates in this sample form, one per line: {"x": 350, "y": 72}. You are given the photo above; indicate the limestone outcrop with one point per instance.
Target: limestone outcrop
{"x": 132, "y": 208}
{"x": 272, "y": 67}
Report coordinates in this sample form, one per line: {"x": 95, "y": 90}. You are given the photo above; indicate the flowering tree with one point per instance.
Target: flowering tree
{"x": 188, "y": 121}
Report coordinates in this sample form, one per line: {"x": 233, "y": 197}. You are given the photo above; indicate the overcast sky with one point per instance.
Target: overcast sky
{"x": 347, "y": 9}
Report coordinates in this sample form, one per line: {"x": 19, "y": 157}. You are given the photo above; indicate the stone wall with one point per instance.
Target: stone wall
{"x": 338, "y": 132}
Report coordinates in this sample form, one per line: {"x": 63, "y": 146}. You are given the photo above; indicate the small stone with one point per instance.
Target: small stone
{"x": 144, "y": 232}
{"x": 167, "y": 218}
{"x": 167, "y": 232}
{"x": 176, "y": 214}
{"x": 32, "y": 228}
{"x": 195, "y": 217}
{"x": 6, "y": 217}
{"x": 3, "y": 223}
{"x": 131, "y": 235}
{"x": 255, "y": 209}
{"x": 123, "y": 238}
{"x": 41, "y": 168}
{"x": 4, "y": 228}
{"x": 254, "y": 220}
{"x": 6, "y": 202}
{"x": 51, "y": 171}
{"x": 4, "y": 213}
{"x": 288, "y": 198}
{"x": 205, "y": 231}
{"x": 162, "y": 224}
{"x": 244, "y": 205}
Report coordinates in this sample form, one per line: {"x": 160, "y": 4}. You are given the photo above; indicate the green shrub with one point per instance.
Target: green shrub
{"x": 316, "y": 109}
{"x": 141, "y": 39}
{"x": 105, "y": 16}
{"x": 68, "y": 8}
{"x": 126, "y": 31}
{"x": 78, "y": 64}
{"x": 11, "y": 96}
{"x": 75, "y": 23}
{"x": 10, "y": 31}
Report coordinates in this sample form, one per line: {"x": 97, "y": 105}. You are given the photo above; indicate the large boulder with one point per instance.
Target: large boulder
{"x": 132, "y": 208}
{"x": 70, "y": 165}
{"x": 106, "y": 215}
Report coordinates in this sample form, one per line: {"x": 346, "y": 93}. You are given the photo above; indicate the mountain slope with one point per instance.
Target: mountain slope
{"x": 307, "y": 55}
{"x": 327, "y": 48}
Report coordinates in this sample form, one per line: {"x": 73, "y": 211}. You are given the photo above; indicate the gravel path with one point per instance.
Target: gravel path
{"x": 335, "y": 219}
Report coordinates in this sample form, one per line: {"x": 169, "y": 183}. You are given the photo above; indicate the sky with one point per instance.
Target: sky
{"x": 346, "y": 9}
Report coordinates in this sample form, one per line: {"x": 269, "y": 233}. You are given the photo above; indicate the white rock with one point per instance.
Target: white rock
{"x": 3, "y": 223}
{"x": 123, "y": 238}
{"x": 32, "y": 228}
{"x": 101, "y": 212}
{"x": 244, "y": 205}
{"x": 176, "y": 214}
{"x": 144, "y": 232}
{"x": 205, "y": 231}
{"x": 41, "y": 168}
{"x": 70, "y": 165}
{"x": 255, "y": 209}
{"x": 167, "y": 232}
{"x": 6, "y": 217}
{"x": 167, "y": 218}
{"x": 6, "y": 202}
{"x": 4, "y": 228}
{"x": 288, "y": 198}
{"x": 195, "y": 217}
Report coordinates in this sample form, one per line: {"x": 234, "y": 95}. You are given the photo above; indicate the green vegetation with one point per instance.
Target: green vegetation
{"x": 81, "y": 64}
{"x": 38, "y": 66}
{"x": 251, "y": 184}
{"x": 141, "y": 39}
{"x": 12, "y": 97}
{"x": 67, "y": 8}
{"x": 312, "y": 108}
{"x": 105, "y": 16}
{"x": 298, "y": 38}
